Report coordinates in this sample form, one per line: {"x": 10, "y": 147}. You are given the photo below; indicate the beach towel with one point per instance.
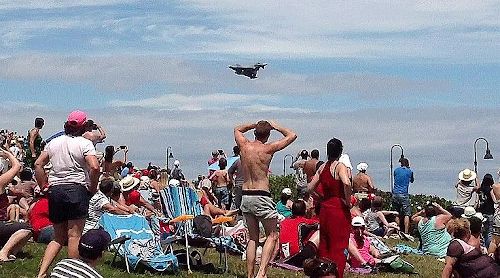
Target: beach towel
{"x": 143, "y": 246}
{"x": 405, "y": 249}
{"x": 230, "y": 161}
{"x": 380, "y": 245}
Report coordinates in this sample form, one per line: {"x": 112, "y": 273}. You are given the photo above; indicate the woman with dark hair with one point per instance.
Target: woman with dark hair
{"x": 110, "y": 166}
{"x": 74, "y": 172}
{"x": 486, "y": 207}
{"x": 431, "y": 224}
{"x": 334, "y": 215}
{"x": 33, "y": 143}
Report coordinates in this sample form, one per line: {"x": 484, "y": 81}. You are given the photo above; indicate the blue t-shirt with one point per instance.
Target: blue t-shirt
{"x": 402, "y": 178}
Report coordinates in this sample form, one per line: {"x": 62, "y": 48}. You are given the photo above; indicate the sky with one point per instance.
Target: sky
{"x": 423, "y": 74}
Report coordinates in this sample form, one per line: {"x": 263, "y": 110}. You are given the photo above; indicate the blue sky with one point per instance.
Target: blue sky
{"x": 373, "y": 73}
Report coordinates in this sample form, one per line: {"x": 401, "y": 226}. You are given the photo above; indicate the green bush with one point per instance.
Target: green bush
{"x": 277, "y": 183}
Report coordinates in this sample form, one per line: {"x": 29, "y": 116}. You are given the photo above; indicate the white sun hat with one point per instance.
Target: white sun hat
{"x": 362, "y": 166}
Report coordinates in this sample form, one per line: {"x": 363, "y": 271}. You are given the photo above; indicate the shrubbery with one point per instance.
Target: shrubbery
{"x": 277, "y": 183}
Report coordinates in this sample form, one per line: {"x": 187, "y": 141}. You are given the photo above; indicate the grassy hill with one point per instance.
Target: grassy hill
{"x": 26, "y": 266}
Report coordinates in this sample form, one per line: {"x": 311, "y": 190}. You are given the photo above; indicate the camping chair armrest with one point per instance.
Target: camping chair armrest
{"x": 120, "y": 240}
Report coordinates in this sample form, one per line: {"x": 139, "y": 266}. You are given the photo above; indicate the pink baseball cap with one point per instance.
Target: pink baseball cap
{"x": 77, "y": 118}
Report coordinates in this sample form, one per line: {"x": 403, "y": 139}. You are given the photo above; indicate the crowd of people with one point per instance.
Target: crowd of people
{"x": 55, "y": 191}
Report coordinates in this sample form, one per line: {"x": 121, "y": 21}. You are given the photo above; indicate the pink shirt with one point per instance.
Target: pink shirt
{"x": 364, "y": 251}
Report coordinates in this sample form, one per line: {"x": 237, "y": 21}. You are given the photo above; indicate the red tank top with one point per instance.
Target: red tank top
{"x": 330, "y": 187}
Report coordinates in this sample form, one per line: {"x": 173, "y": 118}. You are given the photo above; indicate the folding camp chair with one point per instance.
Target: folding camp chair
{"x": 181, "y": 204}
{"x": 135, "y": 242}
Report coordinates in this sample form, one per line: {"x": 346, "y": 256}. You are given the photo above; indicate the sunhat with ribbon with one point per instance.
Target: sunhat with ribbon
{"x": 467, "y": 175}
{"x": 128, "y": 183}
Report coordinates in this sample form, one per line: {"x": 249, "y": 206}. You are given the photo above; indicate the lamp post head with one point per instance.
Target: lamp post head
{"x": 488, "y": 154}
{"x": 170, "y": 155}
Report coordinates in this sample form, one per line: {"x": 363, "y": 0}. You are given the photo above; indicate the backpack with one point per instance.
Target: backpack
{"x": 202, "y": 225}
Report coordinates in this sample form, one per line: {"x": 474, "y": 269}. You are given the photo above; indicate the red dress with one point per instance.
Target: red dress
{"x": 334, "y": 219}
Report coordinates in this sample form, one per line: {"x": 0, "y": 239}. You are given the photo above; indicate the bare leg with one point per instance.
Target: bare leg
{"x": 15, "y": 243}
{"x": 407, "y": 224}
{"x": 75, "y": 229}
{"x": 253, "y": 234}
{"x": 270, "y": 227}
{"x": 353, "y": 251}
{"x": 53, "y": 248}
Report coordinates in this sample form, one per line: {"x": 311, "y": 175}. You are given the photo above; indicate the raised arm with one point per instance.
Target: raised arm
{"x": 417, "y": 216}
{"x": 239, "y": 131}
{"x": 102, "y": 132}
{"x": 443, "y": 215}
{"x": 311, "y": 186}
{"x": 289, "y": 137}
{"x": 7, "y": 177}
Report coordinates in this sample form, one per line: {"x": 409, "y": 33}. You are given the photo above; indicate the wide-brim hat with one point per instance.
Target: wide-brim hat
{"x": 128, "y": 183}
{"x": 467, "y": 175}
{"x": 468, "y": 212}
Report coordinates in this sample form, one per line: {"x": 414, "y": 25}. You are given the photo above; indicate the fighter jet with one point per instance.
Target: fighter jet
{"x": 250, "y": 72}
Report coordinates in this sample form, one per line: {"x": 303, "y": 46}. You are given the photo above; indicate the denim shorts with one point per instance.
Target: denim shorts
{"x": 222, "y": 194}
{"x": 68, "y": 202}
{"x": 401, "y": 204}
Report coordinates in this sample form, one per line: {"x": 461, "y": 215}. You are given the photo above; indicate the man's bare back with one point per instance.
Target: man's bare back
{"x": 256, "y": 155}
{"x": 362, "y": 183}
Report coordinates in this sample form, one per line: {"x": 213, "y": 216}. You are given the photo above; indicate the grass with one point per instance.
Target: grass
{"x": 27, "y": 266}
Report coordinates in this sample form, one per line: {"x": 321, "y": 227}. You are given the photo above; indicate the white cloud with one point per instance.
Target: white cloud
{"x": 208, "y": 102}
{"x": 56, "y": 4}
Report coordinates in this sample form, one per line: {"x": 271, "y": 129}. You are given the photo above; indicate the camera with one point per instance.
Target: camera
{"x": 220, "y": 151}
{"x": 123, "y": 147}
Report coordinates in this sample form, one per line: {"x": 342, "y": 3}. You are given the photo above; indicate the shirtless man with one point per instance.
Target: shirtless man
{"x": 312, "y": 165}
{"x": 221, "y": 180}
{"x": 362, "y": 182}
{"x": 257, "y": 203}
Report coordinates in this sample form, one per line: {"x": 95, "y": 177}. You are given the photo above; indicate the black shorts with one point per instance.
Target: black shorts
{"x": 68, "y": 202}
{"x": 8, "y": 228}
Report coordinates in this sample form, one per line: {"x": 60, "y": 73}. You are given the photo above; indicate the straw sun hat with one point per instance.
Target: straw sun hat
{"x": 467, "y": 175}
{"x": 128, "y": 183}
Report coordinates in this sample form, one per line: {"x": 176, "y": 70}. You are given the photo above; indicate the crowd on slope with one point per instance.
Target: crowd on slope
{"x": 55, "y": 191}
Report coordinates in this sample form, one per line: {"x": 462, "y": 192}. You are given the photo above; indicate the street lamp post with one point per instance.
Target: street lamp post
{"x": 168, "y": 154}
{"x": 284, "y": 161}
{"x": 486, "y": 156}
{"x": 402, "y": 156}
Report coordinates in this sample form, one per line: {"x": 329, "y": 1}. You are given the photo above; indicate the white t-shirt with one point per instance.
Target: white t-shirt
{"x": 96, "y": 205}
{"x": 67, "y": 156}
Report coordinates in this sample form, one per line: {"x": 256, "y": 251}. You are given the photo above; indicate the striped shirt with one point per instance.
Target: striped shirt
{"x": 73, "y": 268}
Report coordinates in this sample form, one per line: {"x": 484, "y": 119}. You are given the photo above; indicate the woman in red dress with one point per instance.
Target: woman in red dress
{"x": 334, "y": 215}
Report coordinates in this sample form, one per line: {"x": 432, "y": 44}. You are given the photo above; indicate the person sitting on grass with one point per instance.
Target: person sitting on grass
{"x": 297, "y": 230}
{"x": 38, "y": 215}
{"x": 369, "y": 253}
{"x": 90, "y": 249}
{"x": 284, "y": 206}
{"x": 464, "y": 260}
{"x": 13, "y": 235}
{"x": 24, "y": 191}
{"x": 431, "y": 223}
{"x": 376, "y": 223}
